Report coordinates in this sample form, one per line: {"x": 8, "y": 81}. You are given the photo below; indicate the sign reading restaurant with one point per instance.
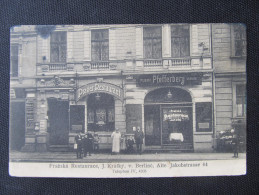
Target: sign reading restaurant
{"x": 99, "y": 88}
{"x": 169, "y": 79}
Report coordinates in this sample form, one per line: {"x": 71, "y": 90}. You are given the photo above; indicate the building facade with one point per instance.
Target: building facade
{"x": 169, "y": 80}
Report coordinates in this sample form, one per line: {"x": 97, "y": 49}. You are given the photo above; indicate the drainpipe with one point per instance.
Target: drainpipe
{"x": 213, "y": 91}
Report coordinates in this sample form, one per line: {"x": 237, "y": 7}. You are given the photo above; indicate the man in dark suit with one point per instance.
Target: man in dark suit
{"x": 88, "y": 144}
{"x": 139, "y": 135}
{"x": 78, "y": 140}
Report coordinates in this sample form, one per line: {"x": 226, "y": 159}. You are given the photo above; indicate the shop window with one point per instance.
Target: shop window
{"x": 58, "y": 47}
{"x": 180, "y": 41}
{"x": 100, "y": 45}
{"x": 100, "y": 112}
{"x": 152, "y": 37}
{"x": 240, "y": 100}
{"x": 203, "y": 117}
{"x": 14, "y": 60}
{"x": 77, "y": 118}
{"x": 239, "y": 40}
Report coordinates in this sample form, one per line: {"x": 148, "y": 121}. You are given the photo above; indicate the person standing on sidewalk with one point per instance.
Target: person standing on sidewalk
{"x": 78, "y": 141}
{"x": 235, "y": 143}
{"x": 139, "y": 135}
{"x": 88, "y": 144}
{"x": 116, "y": 139}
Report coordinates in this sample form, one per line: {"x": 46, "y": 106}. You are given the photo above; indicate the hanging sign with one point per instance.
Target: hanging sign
{"x": 100, "y": 88}
{"x": 174, "y": 79}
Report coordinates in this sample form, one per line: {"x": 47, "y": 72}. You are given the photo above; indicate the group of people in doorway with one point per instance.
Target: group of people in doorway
{"x": 87, "y": 144}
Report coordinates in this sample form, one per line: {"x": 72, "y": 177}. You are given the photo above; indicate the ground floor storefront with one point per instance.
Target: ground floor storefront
{"x": 174, "y": 111}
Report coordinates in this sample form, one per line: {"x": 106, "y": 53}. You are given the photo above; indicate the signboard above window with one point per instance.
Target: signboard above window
{"x": 180, "y": 79}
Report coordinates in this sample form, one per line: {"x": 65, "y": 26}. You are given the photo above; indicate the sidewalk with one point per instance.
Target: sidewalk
{"x": 70, "y": 157}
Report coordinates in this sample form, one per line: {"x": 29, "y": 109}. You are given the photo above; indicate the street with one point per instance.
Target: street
{"x": 68, "y": 157}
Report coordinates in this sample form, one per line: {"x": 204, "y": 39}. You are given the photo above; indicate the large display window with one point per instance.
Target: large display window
{"x": 100, "y": 112}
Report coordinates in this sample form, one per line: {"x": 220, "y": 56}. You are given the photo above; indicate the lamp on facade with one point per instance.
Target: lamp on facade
{"x": 169, "y": 95}
{"x": 72, "y": 81}
{"x": 97, "y": 97}
{"x": 42, "y": 81}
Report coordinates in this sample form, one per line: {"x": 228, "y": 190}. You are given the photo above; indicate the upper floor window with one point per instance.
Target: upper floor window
{"x": 152, "y": 37}
{"x": 14, "y": 60}
{"x": 100, "y": 45}
{"x": 58, "y": 47}
{"x": 239, "y": 42}
{"x": 180, "y": 41}
{"x": 240, "y": 100}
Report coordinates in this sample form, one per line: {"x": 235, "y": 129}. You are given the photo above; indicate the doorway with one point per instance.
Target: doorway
{"x": 168, "y": 118}
{"x": 58, "y": 121}
{"x": 17, "y": 125}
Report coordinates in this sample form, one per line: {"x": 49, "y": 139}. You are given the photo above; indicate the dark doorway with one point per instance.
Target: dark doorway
{"x": 17, "y": 125}
{"x": 58, "y": 121}
{"x": 152, "y": 125}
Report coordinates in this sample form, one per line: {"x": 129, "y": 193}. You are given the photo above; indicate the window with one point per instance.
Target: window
{"x": 240, "y": 100}
{"x": 239, "y": 42}
{"x": 58, "y": 47}
{"x": 152, "y": 37}
{"x": 180, "y": 41}
{"x": 100, "y": 45}
{"x": 14, "y": 60}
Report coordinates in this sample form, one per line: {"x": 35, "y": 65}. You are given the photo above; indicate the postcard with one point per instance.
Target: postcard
{"x": 129, "y": 100}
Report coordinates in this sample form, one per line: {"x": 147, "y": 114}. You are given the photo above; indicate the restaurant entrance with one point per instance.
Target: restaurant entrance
{"x": 168, "y": 118}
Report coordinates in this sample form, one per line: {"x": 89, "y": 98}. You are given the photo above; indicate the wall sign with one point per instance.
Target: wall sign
{"x": 100, "y": 88}
{"x": 177, "y": 79}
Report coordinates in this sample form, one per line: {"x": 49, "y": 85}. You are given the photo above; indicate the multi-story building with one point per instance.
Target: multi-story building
{"x": 168, "y": 79}
{"x": 229, "y": 59}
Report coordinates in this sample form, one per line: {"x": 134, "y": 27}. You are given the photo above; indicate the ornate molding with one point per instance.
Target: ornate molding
{"x": 56, "y": 82}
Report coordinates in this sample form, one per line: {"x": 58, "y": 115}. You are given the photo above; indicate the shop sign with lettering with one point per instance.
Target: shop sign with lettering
{"x": 100, "y": 88}
{"x": 174, "y": 79}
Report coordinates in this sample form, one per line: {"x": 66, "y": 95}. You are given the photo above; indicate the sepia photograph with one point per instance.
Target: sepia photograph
{"x": 128, "y": 100}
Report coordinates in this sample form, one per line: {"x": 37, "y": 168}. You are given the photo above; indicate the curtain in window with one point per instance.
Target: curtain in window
{"x": 58, "y": 47}
{"x": 152, "y": 37}
{"x": 100, "y": 116}
{"x": 111, "y": 115}
{"x": 240, "y": 40}
{"x": 100, "y": 45}
{"x": 14, "y": 60}
{"x": 180, "y": 41}
{"x": 240, "y": 100}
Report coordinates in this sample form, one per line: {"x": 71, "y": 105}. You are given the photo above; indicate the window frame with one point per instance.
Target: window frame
{"x": 12, "y": 58}
{"x": 59, "y": 44}
{"x": 152, "y": 41}
{"x": 244, "y": 105}
{"x": 189, "y": 40}
{"x": 102, "y": 43}
{"x": 233, "y": 42}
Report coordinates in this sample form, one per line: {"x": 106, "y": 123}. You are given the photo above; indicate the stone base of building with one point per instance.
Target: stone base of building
{"x": 41, "y": 148}
{"x": 28, "y": 148}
